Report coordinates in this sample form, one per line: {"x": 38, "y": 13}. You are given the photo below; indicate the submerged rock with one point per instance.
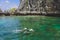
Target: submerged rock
{"x": 24, "y": 31}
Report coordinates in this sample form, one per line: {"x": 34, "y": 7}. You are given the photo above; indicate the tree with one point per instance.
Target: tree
{"x": 12, "y": 10}
{"x": 0, "y": 10}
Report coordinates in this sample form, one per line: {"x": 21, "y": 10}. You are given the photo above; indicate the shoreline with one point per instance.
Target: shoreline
{"x": 34, "y": 14}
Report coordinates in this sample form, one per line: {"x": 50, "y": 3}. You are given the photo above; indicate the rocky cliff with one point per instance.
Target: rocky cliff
{"x": 39, "y": 5}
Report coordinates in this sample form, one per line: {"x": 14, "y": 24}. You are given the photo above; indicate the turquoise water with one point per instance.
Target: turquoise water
{"x": 45, "y": 28}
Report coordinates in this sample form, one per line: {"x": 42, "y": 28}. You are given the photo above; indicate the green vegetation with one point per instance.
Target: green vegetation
{"x": 0, "y": 10}
{"x": 12, "y": 10}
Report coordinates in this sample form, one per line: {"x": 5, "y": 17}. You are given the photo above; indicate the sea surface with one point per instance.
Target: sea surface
{"x": 45, "y": 27}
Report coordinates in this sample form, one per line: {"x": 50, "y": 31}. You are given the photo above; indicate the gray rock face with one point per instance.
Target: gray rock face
{"x": 29, "y": 5}
{"x": 39, "y": 5}
{"x": 33, "y": 5}
{"x": 22, "y": 4}
{"x": 57, "y": 5}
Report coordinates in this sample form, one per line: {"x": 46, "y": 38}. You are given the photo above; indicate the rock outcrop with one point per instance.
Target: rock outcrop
{"x": 39, "y": 5}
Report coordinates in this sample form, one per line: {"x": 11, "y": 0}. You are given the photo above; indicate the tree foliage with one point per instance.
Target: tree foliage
{"x": 12, "y": 10}
{"x": 0, "y": 10}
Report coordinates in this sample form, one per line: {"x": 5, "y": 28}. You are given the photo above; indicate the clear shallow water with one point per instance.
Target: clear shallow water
{"x": 46, "y": 28}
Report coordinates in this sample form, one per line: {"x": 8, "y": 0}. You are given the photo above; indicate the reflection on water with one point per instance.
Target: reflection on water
{"x": 46, "y": 28}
